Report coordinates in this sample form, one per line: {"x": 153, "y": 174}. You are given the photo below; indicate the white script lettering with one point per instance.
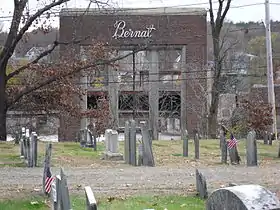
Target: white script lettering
{"x": 122, "y": 32}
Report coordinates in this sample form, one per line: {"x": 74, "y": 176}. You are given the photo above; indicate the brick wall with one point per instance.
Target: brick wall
{"x": 180, "y": 27}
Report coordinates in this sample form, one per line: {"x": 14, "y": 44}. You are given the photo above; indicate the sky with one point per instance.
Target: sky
{"x": 249, "y": 10}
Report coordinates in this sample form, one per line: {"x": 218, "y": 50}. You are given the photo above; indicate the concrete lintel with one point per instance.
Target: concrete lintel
{"x": 134, "y": 11}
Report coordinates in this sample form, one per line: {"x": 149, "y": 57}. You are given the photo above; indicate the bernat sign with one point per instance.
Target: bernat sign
{"x": 121, "y": 31}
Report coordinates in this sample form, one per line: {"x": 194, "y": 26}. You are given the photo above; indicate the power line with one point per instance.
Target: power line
{"x": 56, "y": 14}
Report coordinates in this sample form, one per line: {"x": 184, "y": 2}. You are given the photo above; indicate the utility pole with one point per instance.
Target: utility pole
{"x": 270, "y": 80}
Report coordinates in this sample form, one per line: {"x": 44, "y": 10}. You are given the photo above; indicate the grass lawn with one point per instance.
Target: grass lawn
{"x": 166, "y": 153}
{"x": 132, "y": 203}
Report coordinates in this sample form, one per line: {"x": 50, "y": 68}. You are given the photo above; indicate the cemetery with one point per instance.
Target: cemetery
{"x": 29, "y": 152}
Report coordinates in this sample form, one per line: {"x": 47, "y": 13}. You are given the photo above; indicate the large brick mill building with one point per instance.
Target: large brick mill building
{"x": 147, "y": 85}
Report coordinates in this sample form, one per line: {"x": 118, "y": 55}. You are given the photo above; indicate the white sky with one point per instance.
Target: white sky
{"x": 241, "y": 10}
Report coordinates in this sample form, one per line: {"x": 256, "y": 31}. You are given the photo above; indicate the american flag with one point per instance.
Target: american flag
{"x": 49, "y": 180}
{"x": 232, "y": 142}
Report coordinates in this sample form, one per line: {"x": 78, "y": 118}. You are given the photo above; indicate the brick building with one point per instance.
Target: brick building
{"x": 147, "y": 84}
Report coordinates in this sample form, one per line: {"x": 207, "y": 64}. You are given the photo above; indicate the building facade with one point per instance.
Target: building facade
{"x": 146, "y": 85}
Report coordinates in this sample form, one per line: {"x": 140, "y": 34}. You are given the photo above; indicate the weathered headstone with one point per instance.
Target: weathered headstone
{"x": 196, "y": 146}
{"x": 132, "y": 143}
{"x": 89, "y": 138}
{"x": 148, "y": 157}
{"x": 140, "y": 153}
{"x": 223, "y": 145}
{"x": 22, "y": 142}
{"x": 234, "y": 156}
{"x": 27, "y": 149}
{"x": 114, "y": 142}
{"x": 127, "y": 142}
{"x": 63, "y": 189}
{"x": 270, "y": 138}
{"x": 201, "y": 185}
{"x": 112, "y": 139}
{"x": 242, "y": 197}
{"x": 265, "y": 138}
{"x": 26, "y": 139}
{"x": 107, "y": 138}
{"x": 251, "y": 149}
{"x": 35, "y": 149}
{"x": 90, "y": 199}
{"x": 185, "y": 143}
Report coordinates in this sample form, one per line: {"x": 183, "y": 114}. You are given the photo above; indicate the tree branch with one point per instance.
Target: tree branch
{"x": 212, "y": 21}
{"x": 225, "y": 12}
{"x": 30, "y": 21}
{"x": 43, "y": 54}
{"x": 6, "y": 53}
{"x": 54, "y": 78}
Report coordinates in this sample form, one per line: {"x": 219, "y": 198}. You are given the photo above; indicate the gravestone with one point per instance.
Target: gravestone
{"x": 112, "y": 146}
{"x": 91, "y": 203}
{"x": 223, "y": 145}
{"x": 270, "y": 138}
{"x": 201, "y": 185}
{"x": 64, "y": 192}
{"x": 140, "y": 153}
{"x": 132, "y": 143}
{"x": 85, "y": 138}
{"x": 107, "y": 138}
{"x": 196, "y": 146}
{"x": 251, "y": 149}
{"x": 265, "y": 138}
{"x": 234, "y": 156}
{"x": 127, "y": 142}
{"x": 148, "y": 157}
{"x": 185, "y": 144}
{"x": 242, "y": 197}
{"x": 22, "y": 142}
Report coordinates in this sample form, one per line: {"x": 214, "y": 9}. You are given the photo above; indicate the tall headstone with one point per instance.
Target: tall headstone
{"x": 185, "y": 143}
{"x": 242, "y": 197}
{"x": 251, "y": 149}
{"x": 223, "y": 145}
{"x": 22, "y": 142}
{"x": 265, "y": 138}
{"x": 270, "y": 138}
{"x": 133, "y": 160}
{"x": 196, "y": 146}
{"x": 65, "y": 198}
{"x": 148, "y": 157}
{"x": 34, "y": 149}
{"x": 127, "y": 142}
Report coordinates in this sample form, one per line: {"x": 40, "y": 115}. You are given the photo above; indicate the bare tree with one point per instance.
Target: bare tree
{"x": 48, "y": 76}
{"x": 216, "y": 27}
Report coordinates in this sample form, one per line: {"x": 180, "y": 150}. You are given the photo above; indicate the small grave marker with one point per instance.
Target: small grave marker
{"x": 201, "y": 185}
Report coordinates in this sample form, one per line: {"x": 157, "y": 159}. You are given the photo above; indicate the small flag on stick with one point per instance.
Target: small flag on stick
{"x": 48, "y": 181}
{"x": 232, "y": 142}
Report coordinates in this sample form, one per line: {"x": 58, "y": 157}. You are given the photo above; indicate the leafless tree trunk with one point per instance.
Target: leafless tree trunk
{"x": 216, "y": 26}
